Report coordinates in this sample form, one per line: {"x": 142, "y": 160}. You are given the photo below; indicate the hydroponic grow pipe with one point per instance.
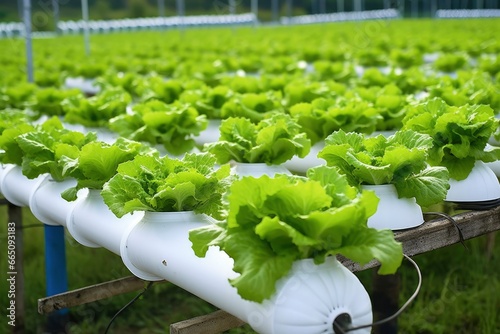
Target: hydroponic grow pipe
{"x": 155, "y": 246}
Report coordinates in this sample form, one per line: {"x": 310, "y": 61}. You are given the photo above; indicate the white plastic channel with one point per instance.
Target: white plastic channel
{"x": 155, "y": 246}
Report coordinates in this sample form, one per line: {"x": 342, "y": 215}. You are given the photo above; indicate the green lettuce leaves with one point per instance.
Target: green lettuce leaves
{"x": 399, "y": 160}
{"x": 156, "y": 122}
{"x": 163, "y": 184}
{"x": 273, "y": 140}
{"x": 97, "y": 162}
{"x": 322, "y": 116}
{"x": 46, "y": 148}
{"x": 252, "y": 106}
{"x": 96, "y": 111}
{"x": 459, "y": 134}
{"x": 273, "y": 222}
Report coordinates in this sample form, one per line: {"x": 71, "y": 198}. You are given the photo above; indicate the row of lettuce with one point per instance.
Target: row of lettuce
{"x": 171, "y": 112}
{"x": 446, "y": 46}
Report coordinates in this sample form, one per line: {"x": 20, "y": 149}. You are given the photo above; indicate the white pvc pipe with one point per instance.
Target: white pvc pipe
{"x": 156, "y": 246}
{"x": 16, "y": 187}
{"x": 307, "y": 300}
{"x": 301, "y": 165}
{"x": 93, "y": 224}
{"x": 211, "y": 134}
{"x": 46, "y": 202}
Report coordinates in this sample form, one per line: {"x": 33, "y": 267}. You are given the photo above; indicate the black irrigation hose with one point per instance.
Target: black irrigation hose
{"x": 338, "y": 329}
{"x": 128, "y": 304}
{"x": 452, "y": 220}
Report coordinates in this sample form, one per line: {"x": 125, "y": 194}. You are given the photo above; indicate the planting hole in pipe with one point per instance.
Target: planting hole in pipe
{"x": 342, "y": 323}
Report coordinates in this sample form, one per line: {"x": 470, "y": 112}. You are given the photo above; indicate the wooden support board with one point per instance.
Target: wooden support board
{"x": 89, "y": 294}
{"x": 216, "y": 322}
{"x": 439, "y": 233}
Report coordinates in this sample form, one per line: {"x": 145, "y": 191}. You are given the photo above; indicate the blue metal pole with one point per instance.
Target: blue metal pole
{"x": 56, "y": 278}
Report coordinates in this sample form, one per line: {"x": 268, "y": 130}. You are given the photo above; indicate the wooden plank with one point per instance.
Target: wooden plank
{"x": 216, "y": 322}
{"x": 89, "y": 294}
{"x": 438, "y": 233}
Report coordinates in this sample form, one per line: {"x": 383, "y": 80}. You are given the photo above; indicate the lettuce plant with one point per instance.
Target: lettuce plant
{"x": 253, "y": 106}
{"x": 46, "y": 148}
{"x": 157, "y": 88}
{"x": 17, "y": 96}
{"x": 273, "y": 222}
{"x": 338, "y": 71}
{"x": 389, "y": 103}
{"x": 399, "y": 160}
{"x": 413, "y": 80}
{"x": 13, "y": 123}
{"x": 470, "y": 87}
{"x": 163, "y": 184}
{"x": 374, "y": 77}
{"x": 156, "y": 122}
{"x": 321, "y": 117}
{"x": 406, "y": 58}
{"x": 449, "y": 62}
{"x": 131, "y": 82}
{"x": 300, "y": 90}
{"x": 459, "y": 134}
{"x": 97, "y": 162}
{"x": 207, "y": 101}
{"x": 242, "y": 85}
{"x": 272, "y": 141}
{"x": 48, "y": 100}
{"x": 96, "y": 111}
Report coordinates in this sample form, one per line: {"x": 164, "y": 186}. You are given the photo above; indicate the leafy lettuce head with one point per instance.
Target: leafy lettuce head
{"x": 399, "y": 159}
{"x": 164, "y": 184}
{"x": 459, "y": 134}
{"x": 272, "y": 141}
{"x": 273, "y": 222}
